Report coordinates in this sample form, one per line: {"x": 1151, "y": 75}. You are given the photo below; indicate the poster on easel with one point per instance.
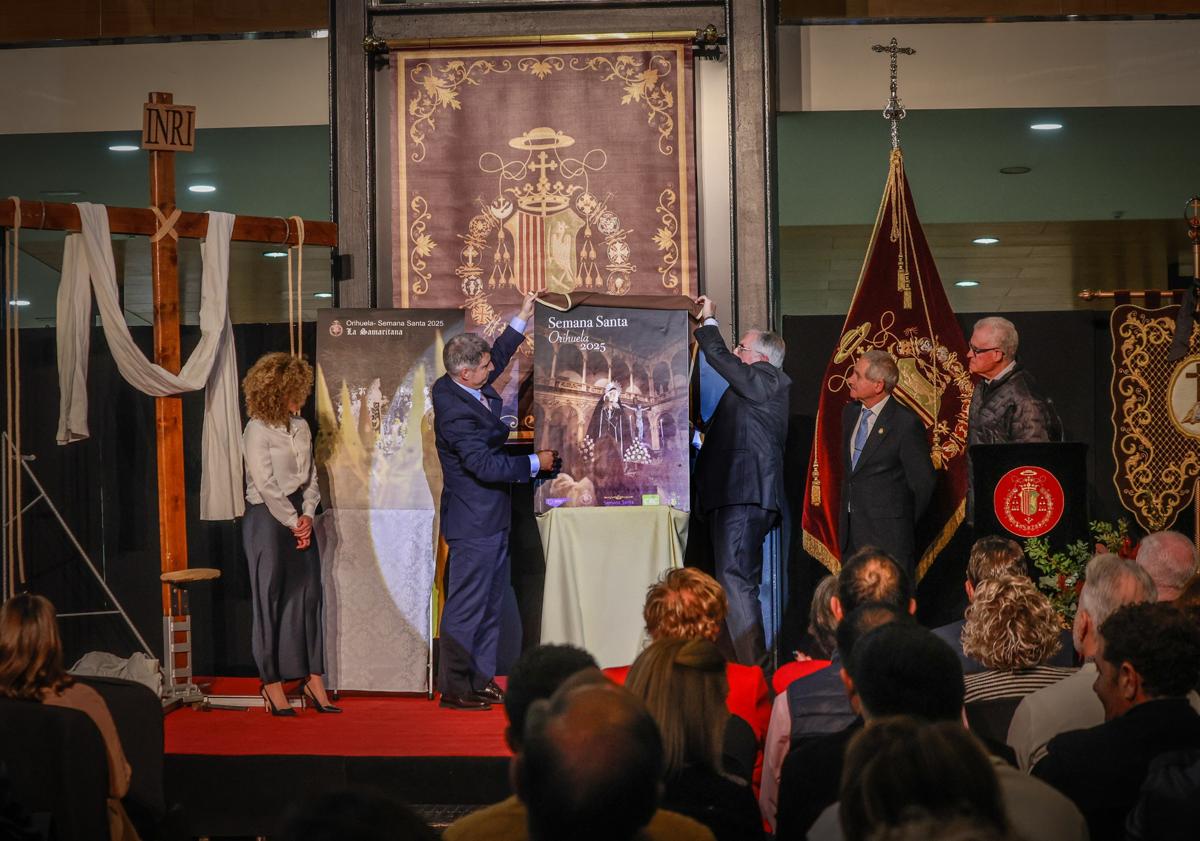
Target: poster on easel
{"x": 380, "y": 485}
{"x": 610, "y": 394}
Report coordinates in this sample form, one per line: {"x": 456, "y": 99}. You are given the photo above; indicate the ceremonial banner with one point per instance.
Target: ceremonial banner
{"x": 518, "y": 168}
{"x": 610, "y": 393}
{"x": 1156, "y": 414}
{"x": 899, "y": 306}
{"x": 380, "y": 484}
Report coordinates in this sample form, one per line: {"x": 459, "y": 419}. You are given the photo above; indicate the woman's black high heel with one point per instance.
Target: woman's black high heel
{"x": 274, "y": 710}
{"x": 317, "y": 705}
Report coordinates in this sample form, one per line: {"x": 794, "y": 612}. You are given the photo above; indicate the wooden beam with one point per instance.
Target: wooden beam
{"x": 168, "y": 411}
{"x": 271, "y": 230}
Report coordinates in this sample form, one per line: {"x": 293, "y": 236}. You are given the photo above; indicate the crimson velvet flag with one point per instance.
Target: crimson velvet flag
{"x": 899, "y": 306}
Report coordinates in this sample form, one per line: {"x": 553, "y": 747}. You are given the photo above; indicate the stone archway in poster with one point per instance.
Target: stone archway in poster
{"x": 565, "y": 168}
{"x": 610, "y": 393}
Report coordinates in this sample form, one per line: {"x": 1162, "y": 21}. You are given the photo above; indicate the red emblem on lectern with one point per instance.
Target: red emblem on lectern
{"x": 1028, "y": 501}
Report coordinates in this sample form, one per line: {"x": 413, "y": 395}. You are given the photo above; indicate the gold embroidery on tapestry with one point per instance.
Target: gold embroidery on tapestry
{"x": 1155, "y": 417}
{"x": 438, "y": 89}
{"x": 665, "y": 238}
{"x": 422, "y": 244}
{"x": 644, "y": 85}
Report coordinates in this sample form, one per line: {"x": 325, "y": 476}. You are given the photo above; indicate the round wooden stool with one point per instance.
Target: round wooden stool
{"x": 177, "y": 634}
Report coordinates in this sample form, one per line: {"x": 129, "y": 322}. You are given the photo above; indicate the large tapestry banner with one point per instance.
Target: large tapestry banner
{"x": 564, "y": 168}
{"x": 1156, "y": 414}
{"x": 380, "y": 483}
{"x": 610, "y": 392}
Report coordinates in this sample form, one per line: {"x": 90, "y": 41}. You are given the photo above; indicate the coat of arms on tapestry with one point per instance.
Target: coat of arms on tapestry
{"x": 563, "y": 168}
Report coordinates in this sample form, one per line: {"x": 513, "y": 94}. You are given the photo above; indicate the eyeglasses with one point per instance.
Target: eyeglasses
{"x": 981, "y": 350}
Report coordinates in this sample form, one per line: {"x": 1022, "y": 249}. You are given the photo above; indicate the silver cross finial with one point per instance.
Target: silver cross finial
{"x": 894, "y": 112}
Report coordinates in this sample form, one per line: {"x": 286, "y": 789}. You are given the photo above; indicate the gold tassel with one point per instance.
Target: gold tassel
{"x": 815, "y": 493}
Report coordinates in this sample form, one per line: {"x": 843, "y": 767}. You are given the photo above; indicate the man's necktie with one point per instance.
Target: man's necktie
{"x": 860, "y": 437}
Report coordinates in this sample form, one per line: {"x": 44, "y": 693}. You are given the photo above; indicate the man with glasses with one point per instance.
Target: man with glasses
{"x": 1007, "y": 407}
{"x": 739, "y": 472}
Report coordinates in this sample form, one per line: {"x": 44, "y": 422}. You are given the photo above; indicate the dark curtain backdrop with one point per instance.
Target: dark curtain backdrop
{"x": 1068, "y": 352}
{"x": 105, "y": 489}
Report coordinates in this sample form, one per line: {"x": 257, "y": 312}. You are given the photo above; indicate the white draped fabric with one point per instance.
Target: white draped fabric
{"x": 212, "y": 365}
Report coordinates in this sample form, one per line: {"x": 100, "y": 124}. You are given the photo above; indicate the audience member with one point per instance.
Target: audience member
{"x": 1149, "y": 660}
{"x": 31, "y": 669}
{"x": 991, "y": 557}
{"x": 1012, "y": 629}
{"x": 901, "y": 668}
{"x": 688, "y": 604}
{"x": 590, "y": 764}
{"x": 1168, "y": 806}
{"x": 536, "y": 676}
{"x": 1170, "y": 558}
{"x": 899, "y": 766}
{"x": 1109, "y": 582}
{"x": 683, "y": 685}
{"x": 1189, "y": 596}
{"x": 822, "y": 629}
{"x": 922, "y": 827}
{"x": 817, "y": 704}
{"x": 896, "y": 668}
{"x": 354, "y": 815}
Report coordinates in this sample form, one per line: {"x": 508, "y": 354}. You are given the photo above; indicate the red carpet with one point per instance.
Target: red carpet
{"x": 371, "y": 725}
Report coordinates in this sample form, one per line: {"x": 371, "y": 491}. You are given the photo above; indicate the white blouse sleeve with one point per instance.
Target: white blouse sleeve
{"x": 312, "y": 488}
{"x": 257, "y": 448}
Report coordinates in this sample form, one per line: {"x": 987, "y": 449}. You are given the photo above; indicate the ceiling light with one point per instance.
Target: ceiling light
{"x": 322, "y": 294}
{"x": 320, "y": 33}
{"x": 966, "y": 283}
{"x": 1014, "y": 170}
{"x": 123, "y": 147}
{"x": 1046, "y": 126}
{"x": 275, "y": 254}
{"x": 202, "y": 188}
{"x": 985, "y": 240}
{"x": 19, "y": 302}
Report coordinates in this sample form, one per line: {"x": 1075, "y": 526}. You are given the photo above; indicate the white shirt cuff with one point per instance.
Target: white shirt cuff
{"x": 534, "y": 464}
{"x": 710, "y": 321}
{"x": 517, "y": 324}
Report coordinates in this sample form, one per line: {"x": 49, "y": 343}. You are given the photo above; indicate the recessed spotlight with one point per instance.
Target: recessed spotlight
{"x": 19, "y": 302}
{"x": 61, "y": 194}
{"x": 275, "y": 254}
{"x": 966, "y": 283}
{"x": 322, "y": 294}
{"x": 202, "y": 188}
{"x": 1046, "y": 126}
{"x": 123, "y": 147}
{"x": 985, "y": 240}
{"x": 1014, "y": 170}
{"x": 319, "y": 33}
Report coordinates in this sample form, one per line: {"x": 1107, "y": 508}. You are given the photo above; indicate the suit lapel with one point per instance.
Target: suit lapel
{"x": 878, "y": 432}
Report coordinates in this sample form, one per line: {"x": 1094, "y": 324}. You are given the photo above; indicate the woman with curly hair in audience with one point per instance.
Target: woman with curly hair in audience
{"x": 683, "y": 684}
{"x": 689, "y": 604}
{"x": 285, "y": 569}
{"x": 1012, "y": 630}
{"x": 31, "y": 669}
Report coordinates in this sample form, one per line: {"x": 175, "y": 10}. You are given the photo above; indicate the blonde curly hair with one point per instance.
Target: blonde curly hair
{"x": 685, "y": 604}
{"x": 274, "y": 382}
{"x": 1010, "y": 625}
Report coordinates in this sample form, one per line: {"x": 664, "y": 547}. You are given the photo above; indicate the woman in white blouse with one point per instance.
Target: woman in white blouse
{"x": 282, "y": 496}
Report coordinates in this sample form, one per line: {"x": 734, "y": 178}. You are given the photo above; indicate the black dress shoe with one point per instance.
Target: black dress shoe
{"x": 464, "y": 702}
{"x": 491, "y": 694}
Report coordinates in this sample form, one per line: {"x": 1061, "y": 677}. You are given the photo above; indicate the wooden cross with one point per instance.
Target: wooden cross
{"x": 166, "y": 129}
{"x": 894, "y": 112}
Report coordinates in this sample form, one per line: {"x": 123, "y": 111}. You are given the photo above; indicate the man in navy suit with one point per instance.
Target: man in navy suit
{"x": 889, "y": 479}
{"x": 477, "y": 477}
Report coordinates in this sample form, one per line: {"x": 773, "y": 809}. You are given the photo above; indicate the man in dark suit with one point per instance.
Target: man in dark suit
{"x": 477, "y": 477}
{"x": 739, "y": 472}
{"x": 889, "y": 478}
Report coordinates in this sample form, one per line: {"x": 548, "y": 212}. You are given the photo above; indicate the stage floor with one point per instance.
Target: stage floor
{"x": 234, "y": 772}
